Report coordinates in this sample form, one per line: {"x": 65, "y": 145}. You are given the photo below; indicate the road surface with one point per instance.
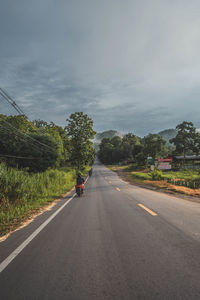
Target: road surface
{"x": 116, "y": 242}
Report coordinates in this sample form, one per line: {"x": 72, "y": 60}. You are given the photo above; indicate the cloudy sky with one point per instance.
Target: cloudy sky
{"x": 131, "y": 65}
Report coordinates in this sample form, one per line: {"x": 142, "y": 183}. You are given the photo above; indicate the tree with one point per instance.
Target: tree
{"x": 116, "y": 141}
{"x": 138, "y": 154}
{"x": 80, "y": 131}
{"x": 116, "y": 154}
{"x": 117, "y": 149}
{"x": 187, "y": 139}
{"x": 106, "y": 149}
{"x": 129, "y": 143}
{"x": 23, "y": 145}
{"x": 19, "y": 122}
{"x": 154, "y": 145}
{"x": 43, "y": 157}
{"x": 60, "y": 137}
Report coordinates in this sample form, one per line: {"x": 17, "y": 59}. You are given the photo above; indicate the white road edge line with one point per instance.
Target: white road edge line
{"x": 14, "y": 254}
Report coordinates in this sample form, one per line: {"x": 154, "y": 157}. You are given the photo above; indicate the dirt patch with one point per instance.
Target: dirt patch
{"x": 172, "y": 187}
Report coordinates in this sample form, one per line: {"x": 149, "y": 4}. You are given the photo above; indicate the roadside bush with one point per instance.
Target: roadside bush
{"x": 21, "y": 192}
{"x": 156, "y": 175}
{"x": 141, "y": 175}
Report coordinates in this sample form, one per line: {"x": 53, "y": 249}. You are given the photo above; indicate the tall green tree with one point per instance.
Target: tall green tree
{"x": 80, "y": 131}
{"x": 187, "y": 139}
{"x": 60, "y": 137}
{"x": 106, "y": 149}
{"x": 129, "y": 145}
{"x": 154, "y": 145}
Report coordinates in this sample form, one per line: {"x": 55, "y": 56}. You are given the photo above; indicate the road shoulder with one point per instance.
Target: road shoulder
{"x": 125, "y": 177}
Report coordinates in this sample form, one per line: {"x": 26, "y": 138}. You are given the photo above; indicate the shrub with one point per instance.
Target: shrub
{"x": 156, "y": 175}
{"x": 21, "y": 192}
{"x": 141, "y": 175}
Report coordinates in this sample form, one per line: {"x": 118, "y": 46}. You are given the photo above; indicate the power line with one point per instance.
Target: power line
{"x": 32, "y": 145}
{"x": 7, "y": 131}
{"x": 11, "y": 101}
{"x": 20, "y": 157}
{"x": 36, "y": 141}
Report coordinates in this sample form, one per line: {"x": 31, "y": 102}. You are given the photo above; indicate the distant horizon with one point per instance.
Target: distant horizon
{"x": 102, "y": 131}
{"x": 117, "y": 130}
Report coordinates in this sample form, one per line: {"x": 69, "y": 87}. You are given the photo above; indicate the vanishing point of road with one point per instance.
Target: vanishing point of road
{"x": 118, "y": 241}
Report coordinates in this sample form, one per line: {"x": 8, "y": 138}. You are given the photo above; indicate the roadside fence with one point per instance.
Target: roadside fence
{"x": 192, "y": 184}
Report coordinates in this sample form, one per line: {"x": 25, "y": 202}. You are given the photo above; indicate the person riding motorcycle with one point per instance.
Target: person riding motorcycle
{"x": 80, "y": 181}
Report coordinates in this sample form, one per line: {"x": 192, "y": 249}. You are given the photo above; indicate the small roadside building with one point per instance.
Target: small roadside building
{"x": 187, "y": 162}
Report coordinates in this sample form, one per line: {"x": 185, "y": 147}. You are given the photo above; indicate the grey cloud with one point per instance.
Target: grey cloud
{"x": 132, "y": 65}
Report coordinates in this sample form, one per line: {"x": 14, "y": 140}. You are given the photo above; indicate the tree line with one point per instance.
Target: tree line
{"x": 131, "y": 148}
{"x": 38, "y": 145}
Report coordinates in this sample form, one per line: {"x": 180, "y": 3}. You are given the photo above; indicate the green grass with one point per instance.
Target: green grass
{"x": 22, "y": 192}
{"x": 185, "y": 175}
{"x": 184, "y": 178}
{"x": 141, "y": 176}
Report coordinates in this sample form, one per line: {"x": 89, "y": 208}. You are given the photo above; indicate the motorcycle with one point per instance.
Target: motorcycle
{"x": 79, "y": 189}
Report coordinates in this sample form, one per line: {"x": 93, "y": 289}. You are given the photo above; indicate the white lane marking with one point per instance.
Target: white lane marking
{"x": 12, "y": 256}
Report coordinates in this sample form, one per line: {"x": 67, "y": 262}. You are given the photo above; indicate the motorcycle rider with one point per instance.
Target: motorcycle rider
{"x": 80, "y": 181}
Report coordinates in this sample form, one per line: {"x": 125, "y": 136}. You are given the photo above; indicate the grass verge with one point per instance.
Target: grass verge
{"x": 143, "y": 177}
{"x": 23, "y": 194}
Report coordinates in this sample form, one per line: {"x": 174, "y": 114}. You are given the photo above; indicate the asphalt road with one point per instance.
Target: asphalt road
{"x": 105, "y": 246}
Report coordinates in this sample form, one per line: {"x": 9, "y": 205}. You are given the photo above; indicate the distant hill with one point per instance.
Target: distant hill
{"x": 168, "y": 134}
{"x": 109, "y": 134}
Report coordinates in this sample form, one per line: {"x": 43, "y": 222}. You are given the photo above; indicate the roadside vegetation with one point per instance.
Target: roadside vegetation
{"x": 184, "y": 181}
{"x": 128, "y": 156}
{"x": 39, "y": 162}
{"x": 22, "y": 192}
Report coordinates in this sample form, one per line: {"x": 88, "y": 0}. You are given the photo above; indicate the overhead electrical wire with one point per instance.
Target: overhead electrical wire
{"x": 10, "y": 100}
{"x": 7, "y": 130}
{"x": 20, "y": 157}
{"x": 26, "y": 135}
